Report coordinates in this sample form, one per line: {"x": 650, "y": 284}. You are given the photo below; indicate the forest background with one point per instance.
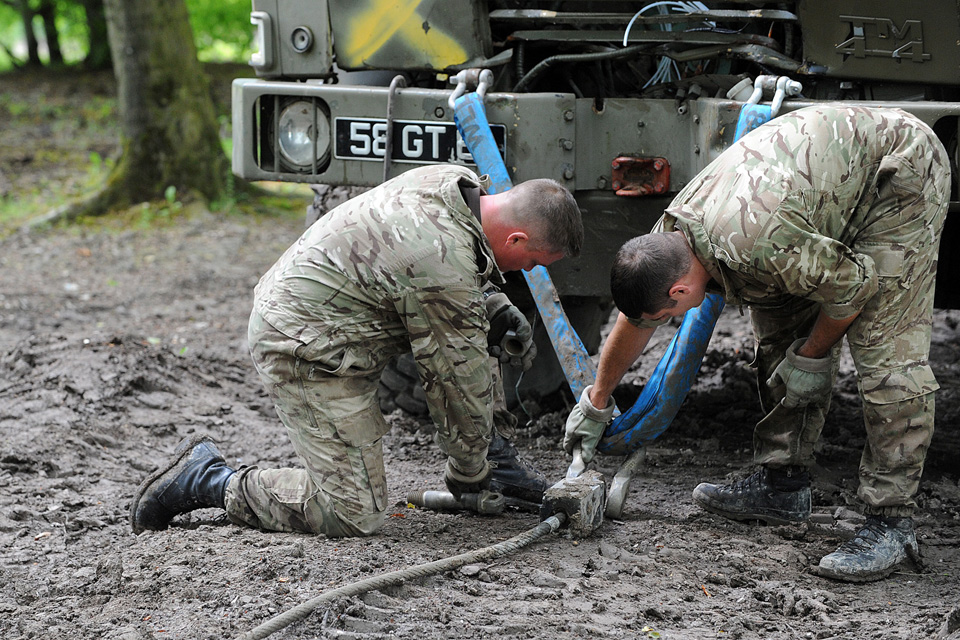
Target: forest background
{"x": 48, "y": 45}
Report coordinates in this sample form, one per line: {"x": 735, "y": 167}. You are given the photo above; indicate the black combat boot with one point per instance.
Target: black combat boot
{"x": 874, "y": 553}
{"x": 195, "y": 477}
{"x": 511, "y": 475}
{"x": 767, "y": 495}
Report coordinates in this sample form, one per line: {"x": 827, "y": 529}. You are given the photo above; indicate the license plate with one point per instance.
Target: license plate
{"x": 414, "y": 141}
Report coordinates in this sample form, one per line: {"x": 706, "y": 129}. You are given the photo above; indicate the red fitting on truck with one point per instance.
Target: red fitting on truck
{"x": 634, "y": 176}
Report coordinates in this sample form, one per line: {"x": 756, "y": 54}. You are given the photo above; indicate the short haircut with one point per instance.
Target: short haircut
{"x": 547, "y": 209}
{"x": 645, "y": 269}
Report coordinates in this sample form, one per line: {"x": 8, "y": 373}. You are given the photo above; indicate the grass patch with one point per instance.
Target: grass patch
{"x": 268, "y": 200}
{"x": 60, "y": 132}
{"x": 49, "y": 194}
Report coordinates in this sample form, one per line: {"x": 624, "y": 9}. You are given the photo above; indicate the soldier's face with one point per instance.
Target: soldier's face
{"x": 685, "y": 300}
{"x": 528, "y": 259}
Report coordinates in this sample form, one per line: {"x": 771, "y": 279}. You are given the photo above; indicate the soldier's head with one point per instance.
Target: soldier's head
{"x": 535, "y": 223}
{"x": 656, "y": 275}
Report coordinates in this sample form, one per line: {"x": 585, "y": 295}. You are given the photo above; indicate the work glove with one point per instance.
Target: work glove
{"x": 808, "y": 380}
{"x": 511, "y": 337}
{"x": 585, "y": 425}
{"x": 459, "y": 483}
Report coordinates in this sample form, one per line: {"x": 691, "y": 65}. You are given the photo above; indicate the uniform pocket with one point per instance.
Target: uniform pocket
{"x": 897, "y": 177}
{"x": 291, "y": 488}
{"x": 361, "y": 429}
{"x": 887, "y": 260}
{"x": 372, "y": 457}
{"x": 341, "y": 361}
{"x": 887, "y": 387}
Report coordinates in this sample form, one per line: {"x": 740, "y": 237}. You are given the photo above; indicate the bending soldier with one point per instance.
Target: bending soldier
{"x": 826, "y": 222}
{"x": 412, "y": 264}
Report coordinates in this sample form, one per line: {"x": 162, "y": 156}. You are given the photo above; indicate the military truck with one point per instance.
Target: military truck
{"x": 623, "y": 102}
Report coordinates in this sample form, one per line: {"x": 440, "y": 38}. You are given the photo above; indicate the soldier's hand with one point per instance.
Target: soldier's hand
{"x": 459, "y": 483}
{"x": 807, "y": 380}
{"x": 511, "y": 337}
{"x": 586, "y": 424}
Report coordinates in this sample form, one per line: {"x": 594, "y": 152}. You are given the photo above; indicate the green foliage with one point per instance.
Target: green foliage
{"x": 48, "y": 148}
{"x": 71, "y": 28}
{"x": 153, "y": 213}
{"x": 221, "y": 28}
{"x": 11, "y": 30}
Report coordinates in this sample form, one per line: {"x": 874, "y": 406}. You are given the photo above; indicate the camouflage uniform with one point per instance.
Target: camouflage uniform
{"x": 400, "y": 267}
{"x": 839, "y": 210}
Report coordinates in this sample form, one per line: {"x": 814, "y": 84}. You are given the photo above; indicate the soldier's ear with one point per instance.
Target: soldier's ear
{"x": 679, "y": 290}
{"x": 516, "y": 237}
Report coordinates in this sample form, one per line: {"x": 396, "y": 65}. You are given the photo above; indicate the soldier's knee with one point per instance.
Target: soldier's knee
{"x": 341, "y": 519}
{"x": 364, "y": 525}
{"x": 341, "y": 525}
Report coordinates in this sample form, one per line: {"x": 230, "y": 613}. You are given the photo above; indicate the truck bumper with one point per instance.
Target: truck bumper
{"x": 543, "y": 135}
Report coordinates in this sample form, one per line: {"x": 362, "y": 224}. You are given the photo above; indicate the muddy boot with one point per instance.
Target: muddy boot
{"x": 873, "y": 553}
{"x": 768, "y": 495}
{"x": 195, "y": 477}
{"x": 511, "y": 475}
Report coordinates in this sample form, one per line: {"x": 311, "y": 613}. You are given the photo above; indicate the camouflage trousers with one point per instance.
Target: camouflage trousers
{"x": 335, "y": 425}
{"x": 889, "y": 342}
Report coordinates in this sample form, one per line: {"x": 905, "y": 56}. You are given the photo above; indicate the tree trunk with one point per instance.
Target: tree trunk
{"x": 98, "y": 53}
{"x": 169, "y": 134}
{"x": 48, "y": 13}
{"x": 33, "y": 50}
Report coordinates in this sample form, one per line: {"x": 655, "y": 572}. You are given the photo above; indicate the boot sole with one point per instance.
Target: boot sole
{"x": 705, "y": 503}
{"x": 847, "y": 577}
{"x": 183, "y": 450}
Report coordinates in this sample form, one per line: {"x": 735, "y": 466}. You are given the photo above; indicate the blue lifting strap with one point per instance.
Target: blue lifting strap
{"x": 578, "y": 368}
{"x": 751, "y": 116}
{"x": 673, "y": 377}
{"x": 668, "y": 385}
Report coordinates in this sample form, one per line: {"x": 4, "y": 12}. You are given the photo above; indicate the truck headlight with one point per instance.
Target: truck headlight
{"x": 304, "y": 134}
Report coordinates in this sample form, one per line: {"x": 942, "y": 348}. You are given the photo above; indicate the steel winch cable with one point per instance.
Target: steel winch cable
{"x": 375, "y": 583}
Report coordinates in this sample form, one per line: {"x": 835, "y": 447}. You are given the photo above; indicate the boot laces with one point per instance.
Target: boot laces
{"x": 748, "y": 483}
{"x": 866, "y": 539}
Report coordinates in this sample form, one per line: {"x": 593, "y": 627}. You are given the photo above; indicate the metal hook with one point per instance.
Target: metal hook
{"x": 486, "y": 81}
{"x": 482, "y": 78}
{"x": 785, "y": 87}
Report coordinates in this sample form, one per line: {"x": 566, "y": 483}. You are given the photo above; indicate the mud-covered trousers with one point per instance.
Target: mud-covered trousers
{"x": 336, "y": 427}
{"x": 889, "y": 342}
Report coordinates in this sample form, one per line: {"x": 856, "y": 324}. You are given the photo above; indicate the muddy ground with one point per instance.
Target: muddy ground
{"x": 116, "y": 344}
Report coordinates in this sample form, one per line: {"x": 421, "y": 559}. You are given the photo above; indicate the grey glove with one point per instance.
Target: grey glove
{"x": 511, "y": 337}
{"x": 808, "y": 380}
{"x": 459, "y": 483}
{"x": 586, "y": 424}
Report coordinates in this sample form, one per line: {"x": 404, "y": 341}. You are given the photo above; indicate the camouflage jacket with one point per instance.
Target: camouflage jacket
{"x": 789, "y": 209}
{"x": 400, "y": 267}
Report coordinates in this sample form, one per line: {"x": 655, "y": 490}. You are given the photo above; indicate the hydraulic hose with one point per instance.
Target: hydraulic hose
{"x": 374, "y": 583}
{"x": 546, "y": 63}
